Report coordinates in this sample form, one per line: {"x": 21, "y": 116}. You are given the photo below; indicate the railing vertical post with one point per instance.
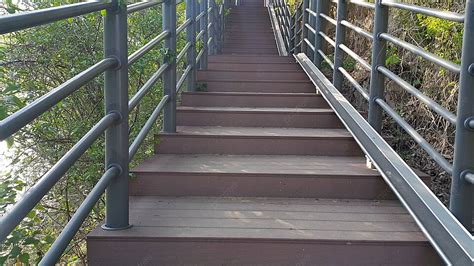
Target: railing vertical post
{"x": 205, "y": 37}
{"x": 169, "y": 76}
{"x": 304, "y": 33}
{"x": 287, "y": 17}
{"x": 322, "y": 6}
{"x": 297, "y": 26}
{"x": 379, "y": 54}
{"x": 191, "y": 38}
{"x": 222, "y": 26}
{"x": 312, "y": 23}
{"x": 216, "y": 24}
{"x": 340, "y": 39}
{"x": 116, "y": 100}
{"x": 462, "y": 193}
{"x": 212, "y": 28}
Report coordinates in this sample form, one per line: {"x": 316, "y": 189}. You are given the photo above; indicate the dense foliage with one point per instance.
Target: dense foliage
{"x": 34, "y": 61}
{"x": 438, "y": 36}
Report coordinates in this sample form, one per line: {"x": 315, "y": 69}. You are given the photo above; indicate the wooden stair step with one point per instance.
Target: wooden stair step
{"x": 258, "y": 176}
{"x": 252, "y": 75}
{"x": 253, "y": 99}
{"x": 252, "y": 66}
{"x": 258, "y": 141}
{"x": 249, "y": 59}
{"x": 265, "y": 86}
{"x": 260, "y": 231}
{"x": 257, "y": 117}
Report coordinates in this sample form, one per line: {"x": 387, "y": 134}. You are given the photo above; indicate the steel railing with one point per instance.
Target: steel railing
{"x": 204, "y": 21}
{"x": 450, "y": 236}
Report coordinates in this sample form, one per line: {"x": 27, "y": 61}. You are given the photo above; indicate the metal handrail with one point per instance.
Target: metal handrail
{"x": 116, "y": 64}
{"x": 24, "y": 116}
{"x": 447, "y": 235}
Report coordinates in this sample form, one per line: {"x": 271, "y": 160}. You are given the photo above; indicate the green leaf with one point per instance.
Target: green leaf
{"x": 15, "y": 252}
{"x": 25, "y": 258}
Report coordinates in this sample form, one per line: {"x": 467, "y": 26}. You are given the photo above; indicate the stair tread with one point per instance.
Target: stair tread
{"x": 256, "y": 94}
{"x": 261, "y": 132}
{"x": 257, "y": 164}
{"x": 255, "y": 109}
{"x": 267, "y": 219}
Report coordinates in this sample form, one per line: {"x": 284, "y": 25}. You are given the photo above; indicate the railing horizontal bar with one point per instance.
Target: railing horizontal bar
{"x": 423, "y": 53}
{"x": 146, "y": 87}
{"x": 419, "y": 95}
{"x": 469, "y": 177}
{"x": 147, "y": 47}
{"x": 425, "y": 11}
{"x": 356, "y": 57}
{"x": 310, "y": 45}
{"x": 132, "y": 150}
{"x": 200, "y": 15}
{"x": 183, "y": 26}
{"x": 299, "y": 31}
{"x": 299, "y": 44}
{"x": 198, "y": 57}
{"x": 67, "y": 234}
{"x": 15, "y": 22}
{"x": 183, "y": 52}
{"x": 446, "y": 234}
{"x": 199, "y": 35}
{"x": 311, "y": 12}
{"x": 13, "y": 217}
{"x": 299, "y": 18}
{"x": 354, "y": 83}
{"x": 324, "y": 56}
{"x": 434, "y": 154}
{"x": 327, "y": 38}
{"x": 357, "y": 29}
{"x": 311, "y": 29}
{"x": 328, "y": 19}
{"x": 19, "y": 119}
{"x": 141, "y": 6}
{"x": 183, "y": 77}
{"x": 362, "y": 4}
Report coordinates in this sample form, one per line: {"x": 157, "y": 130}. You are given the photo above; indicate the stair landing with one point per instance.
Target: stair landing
{"x": 261, "y": 171}
{"x": 262, "y": 231}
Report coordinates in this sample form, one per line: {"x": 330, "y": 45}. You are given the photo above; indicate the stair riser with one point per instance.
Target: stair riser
{"x": 251, "y": 75}
{"x": 213, "y": 252}
{"x": 253, "y": 67}
{"x": 250, "y": 51}
{"x": 271, "y": 87}
{"x": 239, "y": 119}
{"x": 250, "y": 59}
{"x": 246, "y": 45}
{"x": 236, "y": 145}
{"x": 251, "y": 185}
{"x": 234, "y": 100}
{"x": 234, "y": 39}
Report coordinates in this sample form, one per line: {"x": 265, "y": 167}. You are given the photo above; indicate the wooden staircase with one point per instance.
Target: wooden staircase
{"x": 260, "y": 172}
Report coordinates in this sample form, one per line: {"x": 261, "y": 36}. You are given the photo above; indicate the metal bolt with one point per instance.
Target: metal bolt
{"x": 471, "y": 69}
{"x": 469, "y": 123}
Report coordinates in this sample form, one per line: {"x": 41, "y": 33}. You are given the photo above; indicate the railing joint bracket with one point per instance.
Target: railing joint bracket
{"x": 118, "y": 117}
{"x": 469, "y": 123}
{"x": 471, "y": 69}
{"x": 468, "y": 176}
{"x": 118, "y": 63}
